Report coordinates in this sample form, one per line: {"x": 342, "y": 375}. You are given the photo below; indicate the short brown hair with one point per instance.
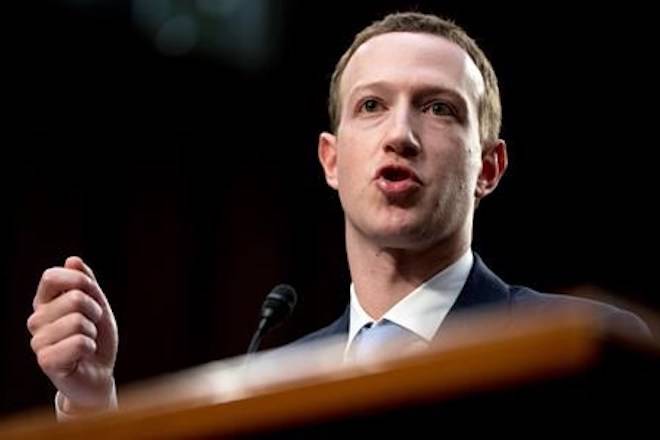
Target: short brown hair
{"x": 489, "y": 106}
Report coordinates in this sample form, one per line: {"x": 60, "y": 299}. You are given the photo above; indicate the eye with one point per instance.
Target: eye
{"x": 439, "y": 108}
{"x": 370, "y": 105}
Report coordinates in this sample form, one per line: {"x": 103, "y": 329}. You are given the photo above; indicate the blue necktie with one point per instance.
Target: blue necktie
{"x": 372, "y": 340}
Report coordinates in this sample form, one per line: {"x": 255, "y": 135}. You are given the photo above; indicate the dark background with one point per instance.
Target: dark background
{"x": 189, "y": 182}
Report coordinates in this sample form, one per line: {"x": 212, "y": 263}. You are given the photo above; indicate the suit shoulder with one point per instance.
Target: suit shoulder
{"x": 335, "y": 329}
{"x": 319, "y": 334}
{"x": 524, "y": 297}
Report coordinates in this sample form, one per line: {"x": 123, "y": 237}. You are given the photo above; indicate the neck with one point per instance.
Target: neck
{"x": 382, "y": 275}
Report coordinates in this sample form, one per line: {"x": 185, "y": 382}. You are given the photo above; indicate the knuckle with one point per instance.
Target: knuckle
{"x": 78, "y": 323}
{"x": 96, "y": 312}
{"x": 82, "y": 281}
{"x": 83, "y": 344}
{"x": 34, "y": 344}
{"x": 45, "y": 361}
{"x": 33, "y": 323}
{"x": 78, "y": 343}
{"x": 78, "y": 299}
{"x": 49, "y": 276}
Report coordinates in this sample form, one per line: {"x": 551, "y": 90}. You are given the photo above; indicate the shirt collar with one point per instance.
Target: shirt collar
{"x": 422, "y": 310}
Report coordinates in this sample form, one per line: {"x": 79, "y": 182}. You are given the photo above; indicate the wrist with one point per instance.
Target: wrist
{"x": 67, "y": 408}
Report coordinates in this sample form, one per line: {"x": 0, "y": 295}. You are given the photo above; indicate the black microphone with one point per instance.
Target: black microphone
{"x": 277, "y": 306}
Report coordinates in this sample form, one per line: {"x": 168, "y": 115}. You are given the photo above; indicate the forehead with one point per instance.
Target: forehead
{"x": 409, "y": 59}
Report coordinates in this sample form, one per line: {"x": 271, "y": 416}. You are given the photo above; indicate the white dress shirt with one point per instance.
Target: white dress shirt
{"x": 422, "y": 310}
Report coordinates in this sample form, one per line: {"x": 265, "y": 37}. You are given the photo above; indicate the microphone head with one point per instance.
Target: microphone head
{"x": 279, "y": 303}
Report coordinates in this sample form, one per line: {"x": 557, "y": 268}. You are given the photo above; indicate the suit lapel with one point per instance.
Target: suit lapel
{"x": 483, "y": 289}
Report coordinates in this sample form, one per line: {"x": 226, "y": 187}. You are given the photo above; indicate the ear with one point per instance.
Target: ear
{"x": 328, "y": 157}
{"x": 494, "y": 161}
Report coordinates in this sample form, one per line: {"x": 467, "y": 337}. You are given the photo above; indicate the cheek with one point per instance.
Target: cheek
{"x": 352, "y": 160}
{"x": 466, "y": 158}
{"x": 345, "y": 162}
{"x": 345, "y": 172}
{"x": 455, "y": 173}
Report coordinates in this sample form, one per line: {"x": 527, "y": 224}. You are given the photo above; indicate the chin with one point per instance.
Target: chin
{"x": 402, "y": 235}
{"x": 395, "y": 227}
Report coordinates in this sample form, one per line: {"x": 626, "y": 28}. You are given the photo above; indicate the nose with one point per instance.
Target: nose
{"x": 401, "y": 137}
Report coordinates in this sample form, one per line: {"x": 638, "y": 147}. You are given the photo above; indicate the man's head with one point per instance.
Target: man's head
{"x": 415, "y": 144}
{"x": 490, "y": 110}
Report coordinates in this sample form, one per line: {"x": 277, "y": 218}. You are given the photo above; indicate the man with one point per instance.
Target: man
{"x": 415, "y": 112}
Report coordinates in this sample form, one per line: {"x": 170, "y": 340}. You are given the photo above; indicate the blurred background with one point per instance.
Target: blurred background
{"x": 172, "y": 145}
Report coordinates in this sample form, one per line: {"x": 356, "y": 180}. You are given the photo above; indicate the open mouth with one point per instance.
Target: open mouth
{"x": 397, "y": 182}
{"x": 395, "y": 173}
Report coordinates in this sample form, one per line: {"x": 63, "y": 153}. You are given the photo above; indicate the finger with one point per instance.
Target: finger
{"x": 57, "y": 280}
{"x": 78, "y": 264}
{"x": 73, "y": 301}
{"x": 69, "y": 325}
{"x": 61, "y": 359}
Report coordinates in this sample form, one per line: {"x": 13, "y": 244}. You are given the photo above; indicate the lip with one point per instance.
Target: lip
{"x": 403, "y": 173}
{"x": 396, "y": 180}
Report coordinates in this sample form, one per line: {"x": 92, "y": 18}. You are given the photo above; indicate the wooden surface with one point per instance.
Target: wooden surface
{"x": 489, "y": 357}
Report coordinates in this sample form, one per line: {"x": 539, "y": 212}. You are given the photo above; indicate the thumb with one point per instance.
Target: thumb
{"x": 76, "y": 263}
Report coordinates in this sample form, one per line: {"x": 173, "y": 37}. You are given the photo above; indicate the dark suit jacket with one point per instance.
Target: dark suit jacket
{"x": 483, "y": 289}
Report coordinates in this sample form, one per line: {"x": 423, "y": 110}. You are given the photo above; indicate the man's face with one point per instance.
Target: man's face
{"x": 406, "y": 158}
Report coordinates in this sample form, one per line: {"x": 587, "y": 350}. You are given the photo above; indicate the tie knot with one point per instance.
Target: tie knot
{"x": 373, "y": 341}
